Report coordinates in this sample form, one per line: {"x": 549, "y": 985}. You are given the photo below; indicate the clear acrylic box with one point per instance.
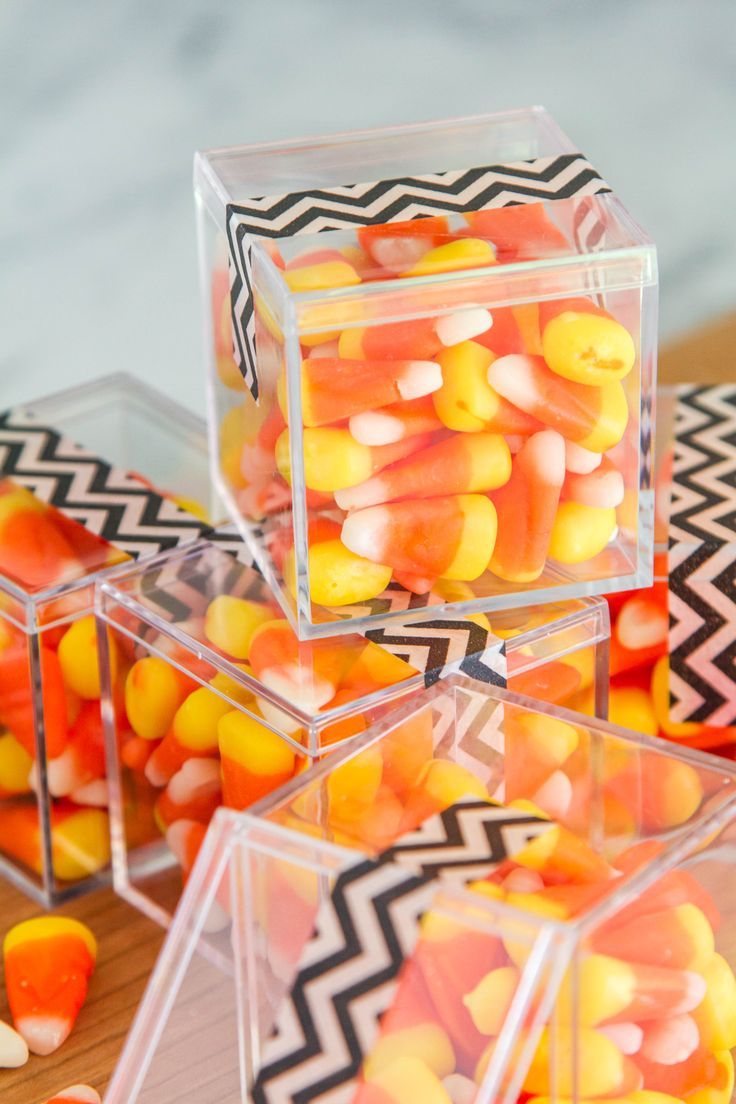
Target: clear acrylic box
{"x": 376, "y": 396}
{"x": 223, "y": 704}
{"x": 54, "y": 827}
{"x": 594, "y": 961}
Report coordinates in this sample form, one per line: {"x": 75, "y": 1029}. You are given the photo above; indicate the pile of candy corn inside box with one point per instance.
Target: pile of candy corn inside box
{"x": 648, "y": 1006}
{"x": 40, "y": 549}
{"x": 185, "y": 749}
{"x": 448, "y": 446}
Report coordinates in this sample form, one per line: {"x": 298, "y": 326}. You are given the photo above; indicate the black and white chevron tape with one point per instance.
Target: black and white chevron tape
{"x": 364, "y": 933}
{"x": 179, "y": 589}
{"x": 116, "y": 505}
{"x": 316, "y": 210}
{"x": 702, "y": 557}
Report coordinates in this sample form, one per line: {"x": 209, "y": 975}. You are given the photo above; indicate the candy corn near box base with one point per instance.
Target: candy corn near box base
{"x": 88, "y": 480}
{"x": 431, "y": 361}
{"x": 405, "y": 923}
{"x": 222, "y": 704}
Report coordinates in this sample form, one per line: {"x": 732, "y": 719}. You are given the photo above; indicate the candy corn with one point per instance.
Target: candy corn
{"x": 419, "y": 339}
{"x": 588, "y": 348}
{"x": 527, "y": 507}
{"x": 395, "y": 423}
{"x": 594, "y": 417}
{"x": 521, "y": 232}
{"x": 254, "y": 759}
{"x": 452, "y": 536}
{"x": 459, "y": 465}
{"x": 13, "y": 1048}
{"x": 80, "y": 839}
{"x": 76, "y": 1094}
{"x": 467, "y": 402}
{"x": 396, "y": 245}
{"x": 333, "y": 389}
{"x": 48, "y": 964}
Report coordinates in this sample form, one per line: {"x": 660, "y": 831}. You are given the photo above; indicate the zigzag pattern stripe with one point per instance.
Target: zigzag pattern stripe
{"x": 704, "y": 465}
{"x": 439, "y": 647}
{"x": 318, "y": 210}
{"x": 702, "y": 557}
{"x": 702, "y": 594}
{"x": 115, "y": 505}
{"x": 364, "y": 933}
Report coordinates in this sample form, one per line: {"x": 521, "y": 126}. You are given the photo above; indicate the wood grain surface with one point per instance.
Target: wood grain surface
{"x": 129, "y": 943}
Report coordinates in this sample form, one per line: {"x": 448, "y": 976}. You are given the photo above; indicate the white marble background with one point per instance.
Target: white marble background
{"x": 102, "y": 105}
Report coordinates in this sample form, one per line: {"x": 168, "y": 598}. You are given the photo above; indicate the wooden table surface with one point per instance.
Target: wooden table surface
{"x": 129, "y": 943}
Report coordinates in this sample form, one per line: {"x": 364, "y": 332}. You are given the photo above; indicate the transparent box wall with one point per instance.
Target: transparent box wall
{"x": 54, "y": 830}
{"x": 469, "y": 426}
{"x": 593, "y": 963}
{"x": 223, "y": 704}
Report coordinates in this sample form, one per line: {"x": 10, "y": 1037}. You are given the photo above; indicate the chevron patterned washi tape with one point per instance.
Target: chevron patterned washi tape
{"x": 118, "y": 506}
{"x": 364, "y": 933}
{"x": 702, "y": 557}
{"x": 318, "y": 209}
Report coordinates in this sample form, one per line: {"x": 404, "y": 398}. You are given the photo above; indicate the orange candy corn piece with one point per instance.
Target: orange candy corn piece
{"x": 520, "y": 232}
{"x": 678, "y": 937}
{"x": 48, "y": 964}
{"x": 417, "y": 339}
{"x": 397, "y": 245}
{"x": 450, "y": 536}
{"x": 527, "y": 506}
{"x": 307, "y": 674}
{"x": 453, "y": 959}
{"x": 334, "y": 389}
{"x": 395, "y": 423}
{"x": 193, "y": 793}
{"x": 16, "y": 706}
{"x": 552, "y": 682}
{"x": 594, "y": 417}
{"x": 80, "y": 838}
{"x": 254, "y": 760}
{"x": 462, "y": 464}
{"x": 83, "y": 759}
{"x": 34, "y": 552}
{"x": 76, "y": 1094}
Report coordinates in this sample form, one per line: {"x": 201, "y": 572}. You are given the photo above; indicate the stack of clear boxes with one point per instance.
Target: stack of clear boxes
{"x": 421, "y": 537}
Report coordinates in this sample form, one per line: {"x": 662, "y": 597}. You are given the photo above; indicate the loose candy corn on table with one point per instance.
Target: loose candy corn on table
{"x": 129, "y": 943}
{"x": 127, "y": 947}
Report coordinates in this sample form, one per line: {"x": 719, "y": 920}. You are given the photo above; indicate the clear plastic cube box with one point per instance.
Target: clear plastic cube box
{"x": 169, "y": 767}
{"x": 324, "y": 460}
{"x": 597, "y": 953}
{"x": 54, "y": 831}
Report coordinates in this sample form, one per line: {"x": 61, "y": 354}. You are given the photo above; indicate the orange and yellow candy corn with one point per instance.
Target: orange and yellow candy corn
{"x": 76, "y": 1094}
{"x": 48, "y": 964}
